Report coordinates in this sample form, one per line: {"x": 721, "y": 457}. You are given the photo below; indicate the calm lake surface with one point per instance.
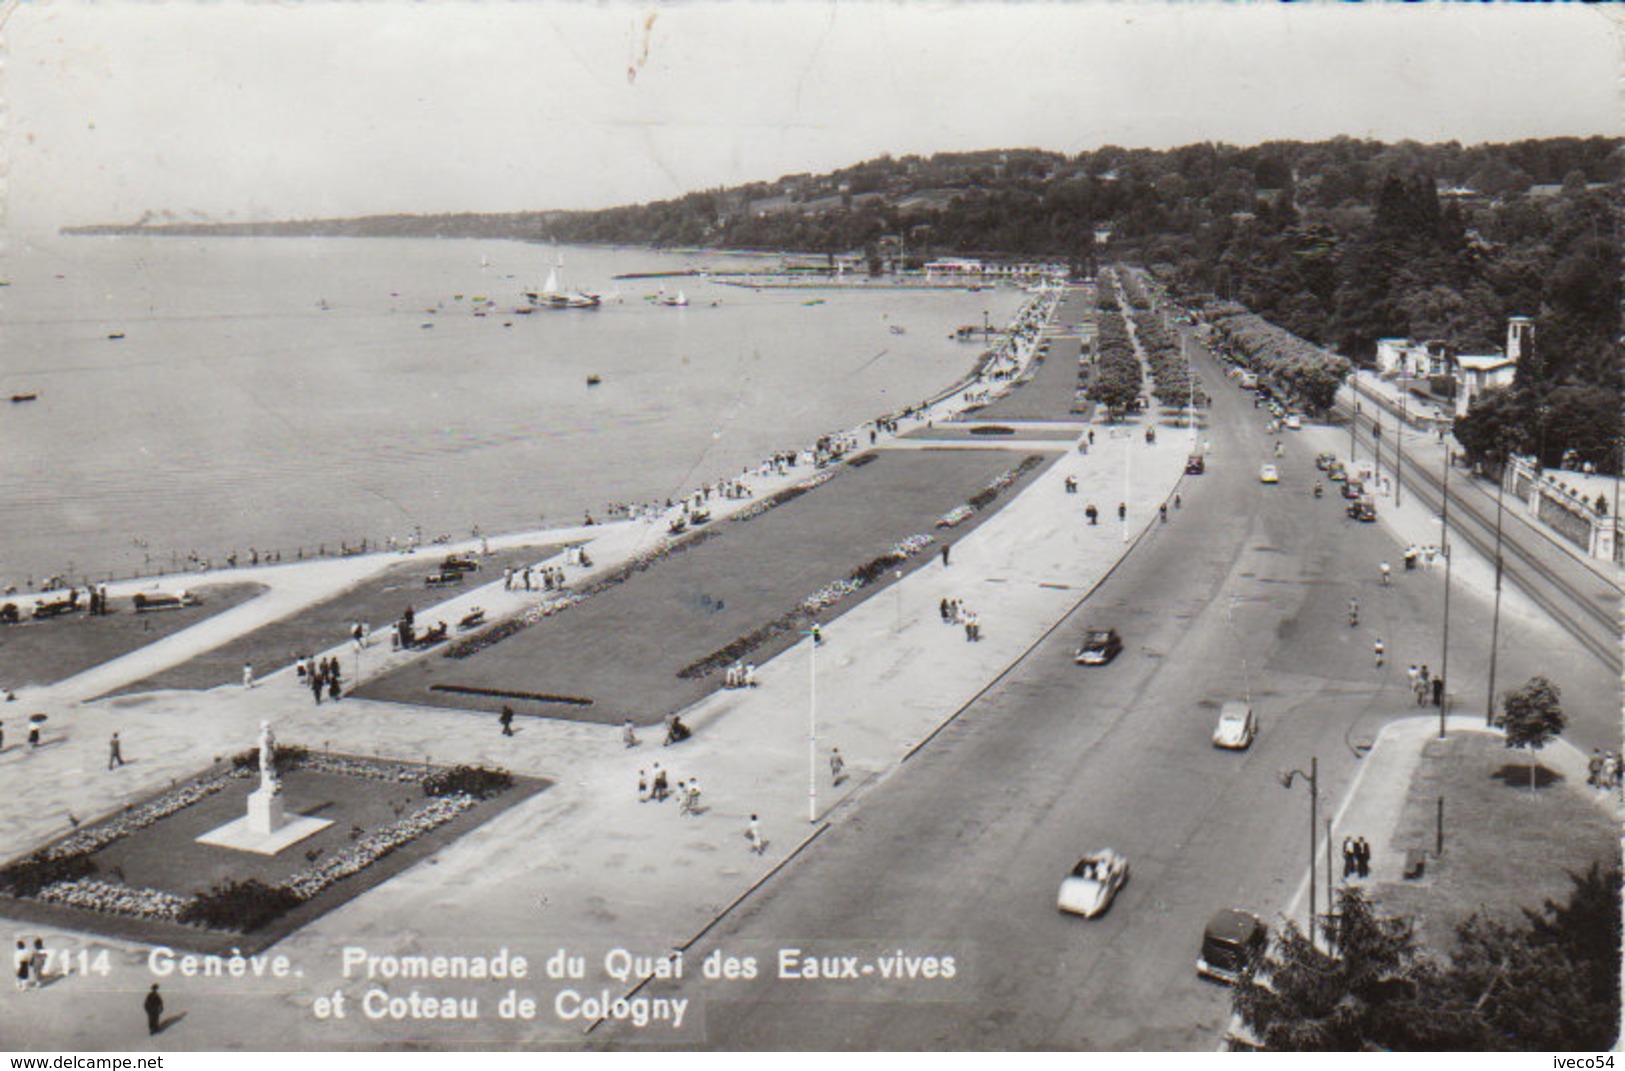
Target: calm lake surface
{"x": 285, "y": 393}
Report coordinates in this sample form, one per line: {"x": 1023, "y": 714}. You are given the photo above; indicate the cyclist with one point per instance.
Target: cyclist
{"x": 1384, "y": 570}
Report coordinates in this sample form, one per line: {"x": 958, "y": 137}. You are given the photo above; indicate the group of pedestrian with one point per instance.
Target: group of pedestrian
{"x": 29, "y": 964}
{"x": 1356, "y": 857}
{"x": 1603, "y": 769}
{"x": 1071, "y": 485}
{"x": 320, "y": 675}
{"x": 1421, "y": 683}
{"x": 657, "y": 789}
{"x": 98, "y": 601}
{"x": 955, "y": 612}
{"x": 740, "y": 675}
{"x": 551, "y": 577}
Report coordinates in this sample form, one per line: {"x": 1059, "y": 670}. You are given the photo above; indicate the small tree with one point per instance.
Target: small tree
{"x": 1532, "y": 717}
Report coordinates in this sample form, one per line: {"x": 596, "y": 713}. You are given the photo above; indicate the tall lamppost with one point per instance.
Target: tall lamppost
{"x": 1444, "y": 653}
{"x": 1313, "y": 777}
{"x": 812, "y": 723}
{"x": 1495, "y": 620}
{"x": 1399, "y": 444}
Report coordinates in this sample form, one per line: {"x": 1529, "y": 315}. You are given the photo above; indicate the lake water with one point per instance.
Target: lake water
{"x": 284, "y": 393}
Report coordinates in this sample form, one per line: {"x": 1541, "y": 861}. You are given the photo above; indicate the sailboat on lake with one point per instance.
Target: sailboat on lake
{"x": 551, "y": 296}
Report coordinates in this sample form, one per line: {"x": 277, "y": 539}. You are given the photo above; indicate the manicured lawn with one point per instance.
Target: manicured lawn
{"x": 1504, "y": 846}
{"x": 44, "y": 652}
{"x": 377, "y": 602}
{"x": 622, "y": 648}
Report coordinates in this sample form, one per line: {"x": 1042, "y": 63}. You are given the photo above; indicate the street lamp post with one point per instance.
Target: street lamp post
{"x": 1444, "y": 653}
{"x": 812, "y": 725}
{"x": 1313, "y": 777}
{"x": 1495, "y": 619}
{"x": 1399, "y": 445}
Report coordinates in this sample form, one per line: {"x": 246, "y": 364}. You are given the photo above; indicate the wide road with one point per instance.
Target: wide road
{"x": 960, "y": 852}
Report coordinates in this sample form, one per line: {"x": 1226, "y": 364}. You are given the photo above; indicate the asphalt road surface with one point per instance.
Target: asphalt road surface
{"x": 960, "y": 852}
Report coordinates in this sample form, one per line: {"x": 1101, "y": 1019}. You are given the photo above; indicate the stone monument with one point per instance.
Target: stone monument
{"x": 267, "y": 828}
{"x": 265, "y": 813}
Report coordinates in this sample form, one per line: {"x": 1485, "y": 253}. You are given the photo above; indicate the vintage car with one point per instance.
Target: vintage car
{"x": 1268, "y": 474}
{"x": 1099, "y": 646}
{"x": 1090, "y": 886}
{"x": 1231, "y": 945}
{"x": 1236, "y": 727}
{"x": 1195, "y": 465}
{"x": 1363, "y": 508}
{"x": 163, "y": 600}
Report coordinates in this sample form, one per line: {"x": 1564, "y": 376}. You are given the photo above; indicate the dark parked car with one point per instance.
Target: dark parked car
{"x": 1195, "y": 465}
{"x": 1099, "y": 646}
{"x": 1231, "y": 945}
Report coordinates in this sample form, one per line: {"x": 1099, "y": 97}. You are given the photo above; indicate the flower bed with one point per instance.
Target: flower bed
{"x": 955, "y": 516}
{"x": 369, "y": 849}
{"x": 102, "y": 834}
{"x": 114, "y": 899}
{"x": 779, "y": 498}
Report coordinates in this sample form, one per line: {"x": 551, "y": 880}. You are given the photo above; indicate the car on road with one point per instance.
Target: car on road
{"x": 1267, "y": 474}
{"x": 1237, "y": 726}
{"x": 1337, "y": 472}
{"x": 1294, "y": 422}
{"x": 1231, "y": 945}
{"x": 1090, "y": 886}
{"x": 1099, "y": 646}
{"x": 1195, "y": 465}
{"x": 1325, "y": 460}
{"x": 1353, "y": 488}
{"x": 1363, "y": 509}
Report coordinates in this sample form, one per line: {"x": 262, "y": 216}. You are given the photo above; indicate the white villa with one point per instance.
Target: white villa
{"x": 1474, "y": 373}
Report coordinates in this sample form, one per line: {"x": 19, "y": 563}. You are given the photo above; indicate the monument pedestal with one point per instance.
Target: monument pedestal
{"x": 265, "y": 813}
{"x": 266, "y": 829}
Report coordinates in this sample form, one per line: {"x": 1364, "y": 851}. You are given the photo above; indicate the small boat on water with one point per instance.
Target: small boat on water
{"x": 593, "y": 380}
{"x": 24, "y": 397}
{"x": 678, "y": 300}
{"x": 552, "y": 297}
{"x": 115, "y": 336}
{"x": 814, "y": 301}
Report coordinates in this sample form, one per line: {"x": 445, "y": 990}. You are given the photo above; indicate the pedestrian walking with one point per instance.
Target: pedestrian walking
{"x": 505, "y": 719}
{"x": 837, "y": 766}
{"x": 154, "y": 1007}
{"x": 33, "y": 735}
{"x": 629, "y": 735}
{"x": 1349, "y": 864}
{"x": 1594, "y": 767}
{"x": 248, "y": 674}
{"x": 1163, "y": 510}
{"x": 1386, "y": 574}
{"x": 1362, "y": 849}
{"x": 507, "y": 578}
{"x": 945, "y": 555}
{"x": 750, "y": 674}
{"x": 1092, "y": 513}
{"x": 1438, "y": 691}
{"x": 334, "y": 684}
{"x": 1420, "y": 687}
{"x": 818, "y": 636}
{"x": 37, "y": 962}
{"x": 1122, "y": 511}
{"x": 643, "y": 786}
{"x": 753, "y": 834}
{"x": 316, "y": 687}
{"x": 115, "y": 756}
{"x": 1376, "y": 649}
{"x": 659, "y": 790}
{"x": 22, "y": 960}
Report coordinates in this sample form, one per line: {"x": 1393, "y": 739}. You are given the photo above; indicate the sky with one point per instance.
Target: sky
{"x": 269, "y": 110}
